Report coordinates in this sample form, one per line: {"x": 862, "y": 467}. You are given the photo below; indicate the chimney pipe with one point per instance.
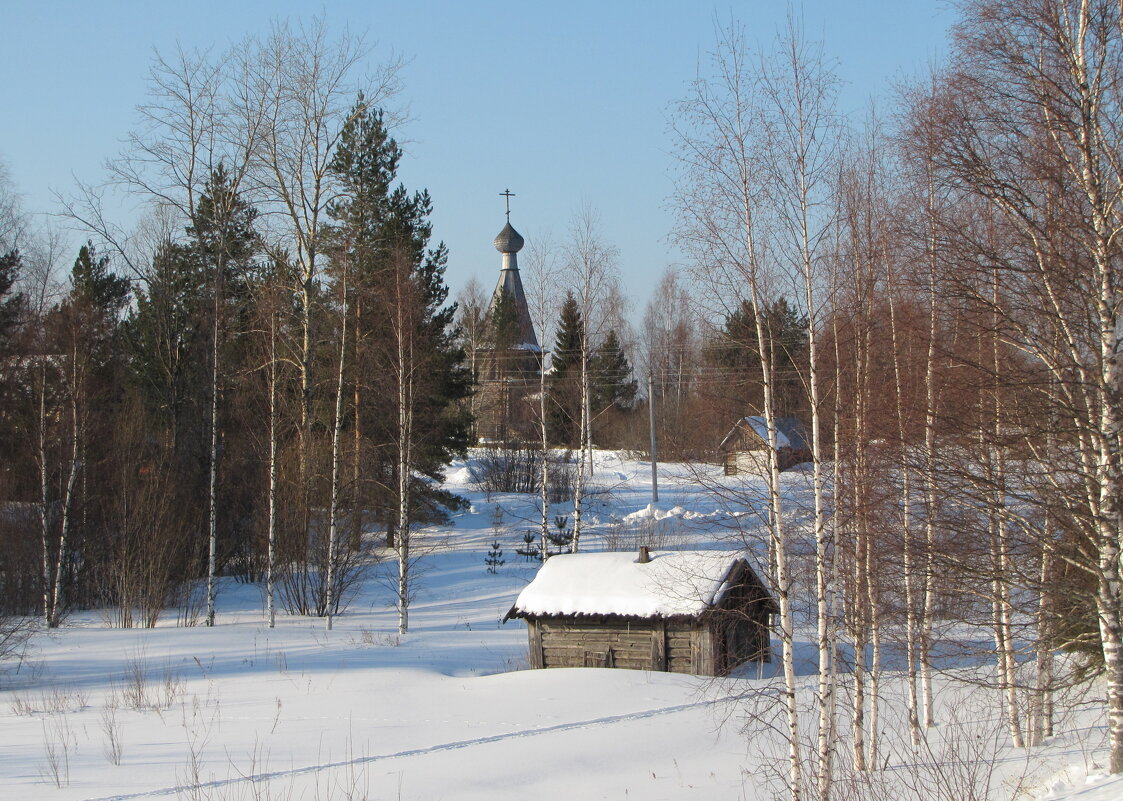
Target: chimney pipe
{"x": 644, "y": 555}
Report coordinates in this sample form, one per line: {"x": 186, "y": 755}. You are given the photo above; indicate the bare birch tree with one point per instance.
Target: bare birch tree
{"x": 304, "y": 82}
{"x": 1033, "y": 101}
{"x": 540, "y": 267}
{"x": 591, "y": 263}
{"x": 803, "y": 147}
{"x": 726, "y": 220}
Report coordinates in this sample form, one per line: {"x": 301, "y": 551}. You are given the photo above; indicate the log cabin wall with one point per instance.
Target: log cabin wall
{"x": 670, "y": 646}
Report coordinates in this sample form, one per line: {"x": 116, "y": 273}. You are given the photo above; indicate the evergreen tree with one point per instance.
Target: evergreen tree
{"x": 83, "y": 330}
{"x": 10, "y": 302}
{"x": 565, "y": 375}
{"x": 734, "y": 352}
{"x": 93, "y": 285}
{"x": 503, "y": 331}
{"x": 186, "y": 356}
{"x": 382, "y": 233}
{"x": 404, "y": 338}
{"x": 613, "y": 386}
{"x": 166, "y": 335}
{"x": 12, "y": 473}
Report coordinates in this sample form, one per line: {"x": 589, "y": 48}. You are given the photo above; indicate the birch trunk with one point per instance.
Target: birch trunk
{"x": 907, "y": 543}
{"x": 777, "y": 537}
{"x": 544, "y": 496}
{"x": 212, "y": 472}
{"x": 44, "y": 502}
{"x": 405, "y": 442}
{"x": 579, "y": 483}
{"x": 930, "y": 498}
{"x": 66, "y": 502}
{"x": 271, "y": 567}
{"x": 336, "y": 432}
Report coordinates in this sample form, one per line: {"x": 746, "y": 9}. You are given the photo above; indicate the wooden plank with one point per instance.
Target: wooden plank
{"x": 659, "y": 647}
{"x": 535, "y": 655}
{"x": 705, "y": 665}
{"x": 638, "y": 651}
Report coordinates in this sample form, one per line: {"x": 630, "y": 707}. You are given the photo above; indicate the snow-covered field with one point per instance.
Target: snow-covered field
{"x": 449, "y": 710}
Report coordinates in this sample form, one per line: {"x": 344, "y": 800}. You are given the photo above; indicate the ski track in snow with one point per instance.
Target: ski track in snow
{"x": 432, "y": 749}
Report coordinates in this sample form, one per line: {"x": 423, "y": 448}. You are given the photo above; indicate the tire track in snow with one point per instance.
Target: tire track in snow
{"x": 307, "y": 770}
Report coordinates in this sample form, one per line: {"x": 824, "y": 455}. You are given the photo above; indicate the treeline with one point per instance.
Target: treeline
{"x": 262, "y": 373}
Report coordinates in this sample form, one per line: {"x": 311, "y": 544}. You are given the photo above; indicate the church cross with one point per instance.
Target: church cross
{"x": 507, "y": 194}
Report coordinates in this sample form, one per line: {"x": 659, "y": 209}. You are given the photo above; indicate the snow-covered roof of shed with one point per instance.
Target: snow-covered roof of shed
{"x": 789, "y": 432}
{"x": 760, "y": 427}
{"x": 673, "y": 583}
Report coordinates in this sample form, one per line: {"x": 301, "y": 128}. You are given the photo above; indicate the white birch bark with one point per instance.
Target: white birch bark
{"x": 907, "y": 542}
{"x": 802, "y": 93}
{"x": 44, "y": 500}
{"x": 931, "y": 498}
{"x": 583, "y": 450}
{"x": 544, "y": 491}
{"x": 719, "y": 205}
{"x": 404, "y": 345}
{"x": 271, "y": 563}
{"x": 336, "y": 432}
{"x": 212, "y": 467}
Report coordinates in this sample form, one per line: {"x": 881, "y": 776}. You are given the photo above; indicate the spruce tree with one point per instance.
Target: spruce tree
{"x": 565, "y": 375}
{"x": 503, "y": 332}
{"x": 734, "y": 352}
{"x": 613, "y": 385}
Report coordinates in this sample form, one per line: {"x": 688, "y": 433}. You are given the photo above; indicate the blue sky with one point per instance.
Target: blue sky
{"x": 565, "y": 103}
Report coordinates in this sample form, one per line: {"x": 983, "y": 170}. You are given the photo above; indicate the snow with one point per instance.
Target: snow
{"x": 672, "y": 583}
{"x": 760, "y": 426}
{"x": 449, "y": 710}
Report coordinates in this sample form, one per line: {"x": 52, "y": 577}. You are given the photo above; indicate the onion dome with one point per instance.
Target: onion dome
{"x": 509, "y": 240}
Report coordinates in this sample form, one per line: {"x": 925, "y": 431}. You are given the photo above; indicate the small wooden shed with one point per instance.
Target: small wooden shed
{"x": 700, "y": 612}
{"x": 745, "y": 448}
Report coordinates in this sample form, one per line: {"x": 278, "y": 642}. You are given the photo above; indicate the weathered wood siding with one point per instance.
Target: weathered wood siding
{"x": 675, "y": 647}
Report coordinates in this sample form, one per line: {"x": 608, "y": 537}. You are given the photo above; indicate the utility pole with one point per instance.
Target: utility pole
{"x": 654, "y": 455}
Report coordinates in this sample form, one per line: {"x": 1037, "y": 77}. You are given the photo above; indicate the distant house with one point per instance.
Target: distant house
{"x": 700, "y": 612}
{"x": 745, "y": 448}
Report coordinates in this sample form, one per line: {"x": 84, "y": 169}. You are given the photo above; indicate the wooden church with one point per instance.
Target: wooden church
{"x": 510, "y": 361}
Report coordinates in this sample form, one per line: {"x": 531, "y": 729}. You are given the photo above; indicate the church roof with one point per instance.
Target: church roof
{"x": 511, "y": 283}
{"x": 509, "y": 240}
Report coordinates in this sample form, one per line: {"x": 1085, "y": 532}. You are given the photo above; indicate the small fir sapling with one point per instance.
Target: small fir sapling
{"x": 531, "y": 549}
{"x": 494, "y": 559}
{"x": 563, "y": 537}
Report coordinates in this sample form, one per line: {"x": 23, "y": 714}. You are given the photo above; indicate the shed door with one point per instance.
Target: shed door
{"x": 752, "y": 463}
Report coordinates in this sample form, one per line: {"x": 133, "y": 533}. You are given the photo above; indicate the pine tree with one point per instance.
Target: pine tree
{"x": 94, "y": 285}
{"x": 184, "y": 354}
{"x": 404, "y": 334}
{"x": 10, "y": 302}
{"x": 84, "y": 387}
{"x": 10, "y": 305}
